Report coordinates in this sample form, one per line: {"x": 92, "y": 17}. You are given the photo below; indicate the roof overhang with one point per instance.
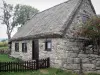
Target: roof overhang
{"x": 39, "y": 36}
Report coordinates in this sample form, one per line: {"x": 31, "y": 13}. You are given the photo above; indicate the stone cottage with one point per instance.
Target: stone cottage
{"x": 50, "y": 33}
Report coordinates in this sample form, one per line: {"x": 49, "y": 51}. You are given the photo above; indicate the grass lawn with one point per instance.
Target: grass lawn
{"x": 49, "y": 71}
{"x": 5, "y": 58}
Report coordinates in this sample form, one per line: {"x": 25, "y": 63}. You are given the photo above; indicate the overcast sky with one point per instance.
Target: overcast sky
{"x": 40, "y": 5}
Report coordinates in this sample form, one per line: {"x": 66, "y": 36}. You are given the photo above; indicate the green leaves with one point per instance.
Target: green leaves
{"x": 22, "y": 13}
{"x": 91, "y": 29}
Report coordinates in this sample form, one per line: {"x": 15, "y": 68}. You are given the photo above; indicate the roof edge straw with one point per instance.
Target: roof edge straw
{"x": 37, "y": 37}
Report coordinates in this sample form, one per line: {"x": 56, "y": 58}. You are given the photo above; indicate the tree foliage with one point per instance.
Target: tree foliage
{"x": 14, "y": 16}
{"x": 23, "y": 13}
{"x": 91, "y": 29}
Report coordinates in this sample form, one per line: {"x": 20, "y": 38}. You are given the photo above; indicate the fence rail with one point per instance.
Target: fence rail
{"x": 24, "y": 66}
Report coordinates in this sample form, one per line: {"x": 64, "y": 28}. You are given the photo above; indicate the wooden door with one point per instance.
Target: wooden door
{"x": 35, "y": 49}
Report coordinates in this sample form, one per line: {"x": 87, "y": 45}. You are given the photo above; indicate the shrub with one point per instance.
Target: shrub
{"x": 91, "y": 30}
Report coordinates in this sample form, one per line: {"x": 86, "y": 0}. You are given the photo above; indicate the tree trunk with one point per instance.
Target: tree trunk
{"x": 9, "y": 36}
{"x": 8, "y": 32}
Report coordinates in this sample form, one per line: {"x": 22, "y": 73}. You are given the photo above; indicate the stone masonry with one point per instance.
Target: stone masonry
{"x": 20, "y": 54}
{"x": 65, "y": 54}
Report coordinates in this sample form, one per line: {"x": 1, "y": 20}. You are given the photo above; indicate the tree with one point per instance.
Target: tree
{"x": 6, "y": 18}
{"x": 23, "y": 13}
{"x": 91, "y": 30}
{"x": 14, "y": 16}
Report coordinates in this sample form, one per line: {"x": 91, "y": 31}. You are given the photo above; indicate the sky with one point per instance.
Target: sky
{"x": 40, "y": 5}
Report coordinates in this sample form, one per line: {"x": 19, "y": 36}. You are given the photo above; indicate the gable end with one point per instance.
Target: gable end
{"x": 68, "y": 23}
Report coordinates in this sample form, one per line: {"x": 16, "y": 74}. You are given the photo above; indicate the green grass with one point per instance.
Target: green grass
{"x": 49, "y": 71}
{"x": 5, "y": 58}
{"x": 4, "y": 48}
{"x": 93, "y": 74}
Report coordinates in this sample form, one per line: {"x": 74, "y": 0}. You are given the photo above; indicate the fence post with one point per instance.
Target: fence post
{"x": 37, "y": 64}
{"x": 48, "y": 62}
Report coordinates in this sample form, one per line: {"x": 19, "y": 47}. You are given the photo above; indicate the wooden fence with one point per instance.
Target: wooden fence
{"x": 24, "y": 66}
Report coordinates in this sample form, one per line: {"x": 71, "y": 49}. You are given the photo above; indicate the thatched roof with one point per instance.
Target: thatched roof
{"x": 49, "y": 23}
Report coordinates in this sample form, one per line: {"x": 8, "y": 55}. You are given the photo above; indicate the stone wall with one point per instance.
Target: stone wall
{"x": 66, "y": 54}
{"x": 74, "y": 48}
{"x": 20, "y": 54}
{"x": 90, "y": 62}
{"x": 57, "y": 54}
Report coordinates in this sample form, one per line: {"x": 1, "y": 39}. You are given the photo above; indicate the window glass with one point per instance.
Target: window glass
{"x": 24, "y": 47}
{"x": 48, "y": 45}
{"x": 85, "y": 18}
{"x": 17, "y": 47}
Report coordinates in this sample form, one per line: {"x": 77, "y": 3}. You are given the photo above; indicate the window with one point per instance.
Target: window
{"x": 48, "y": 45}
{"x": 85, "y": 18}
{"x": 24, "y": 47}
{"x": 17, "y": 47}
